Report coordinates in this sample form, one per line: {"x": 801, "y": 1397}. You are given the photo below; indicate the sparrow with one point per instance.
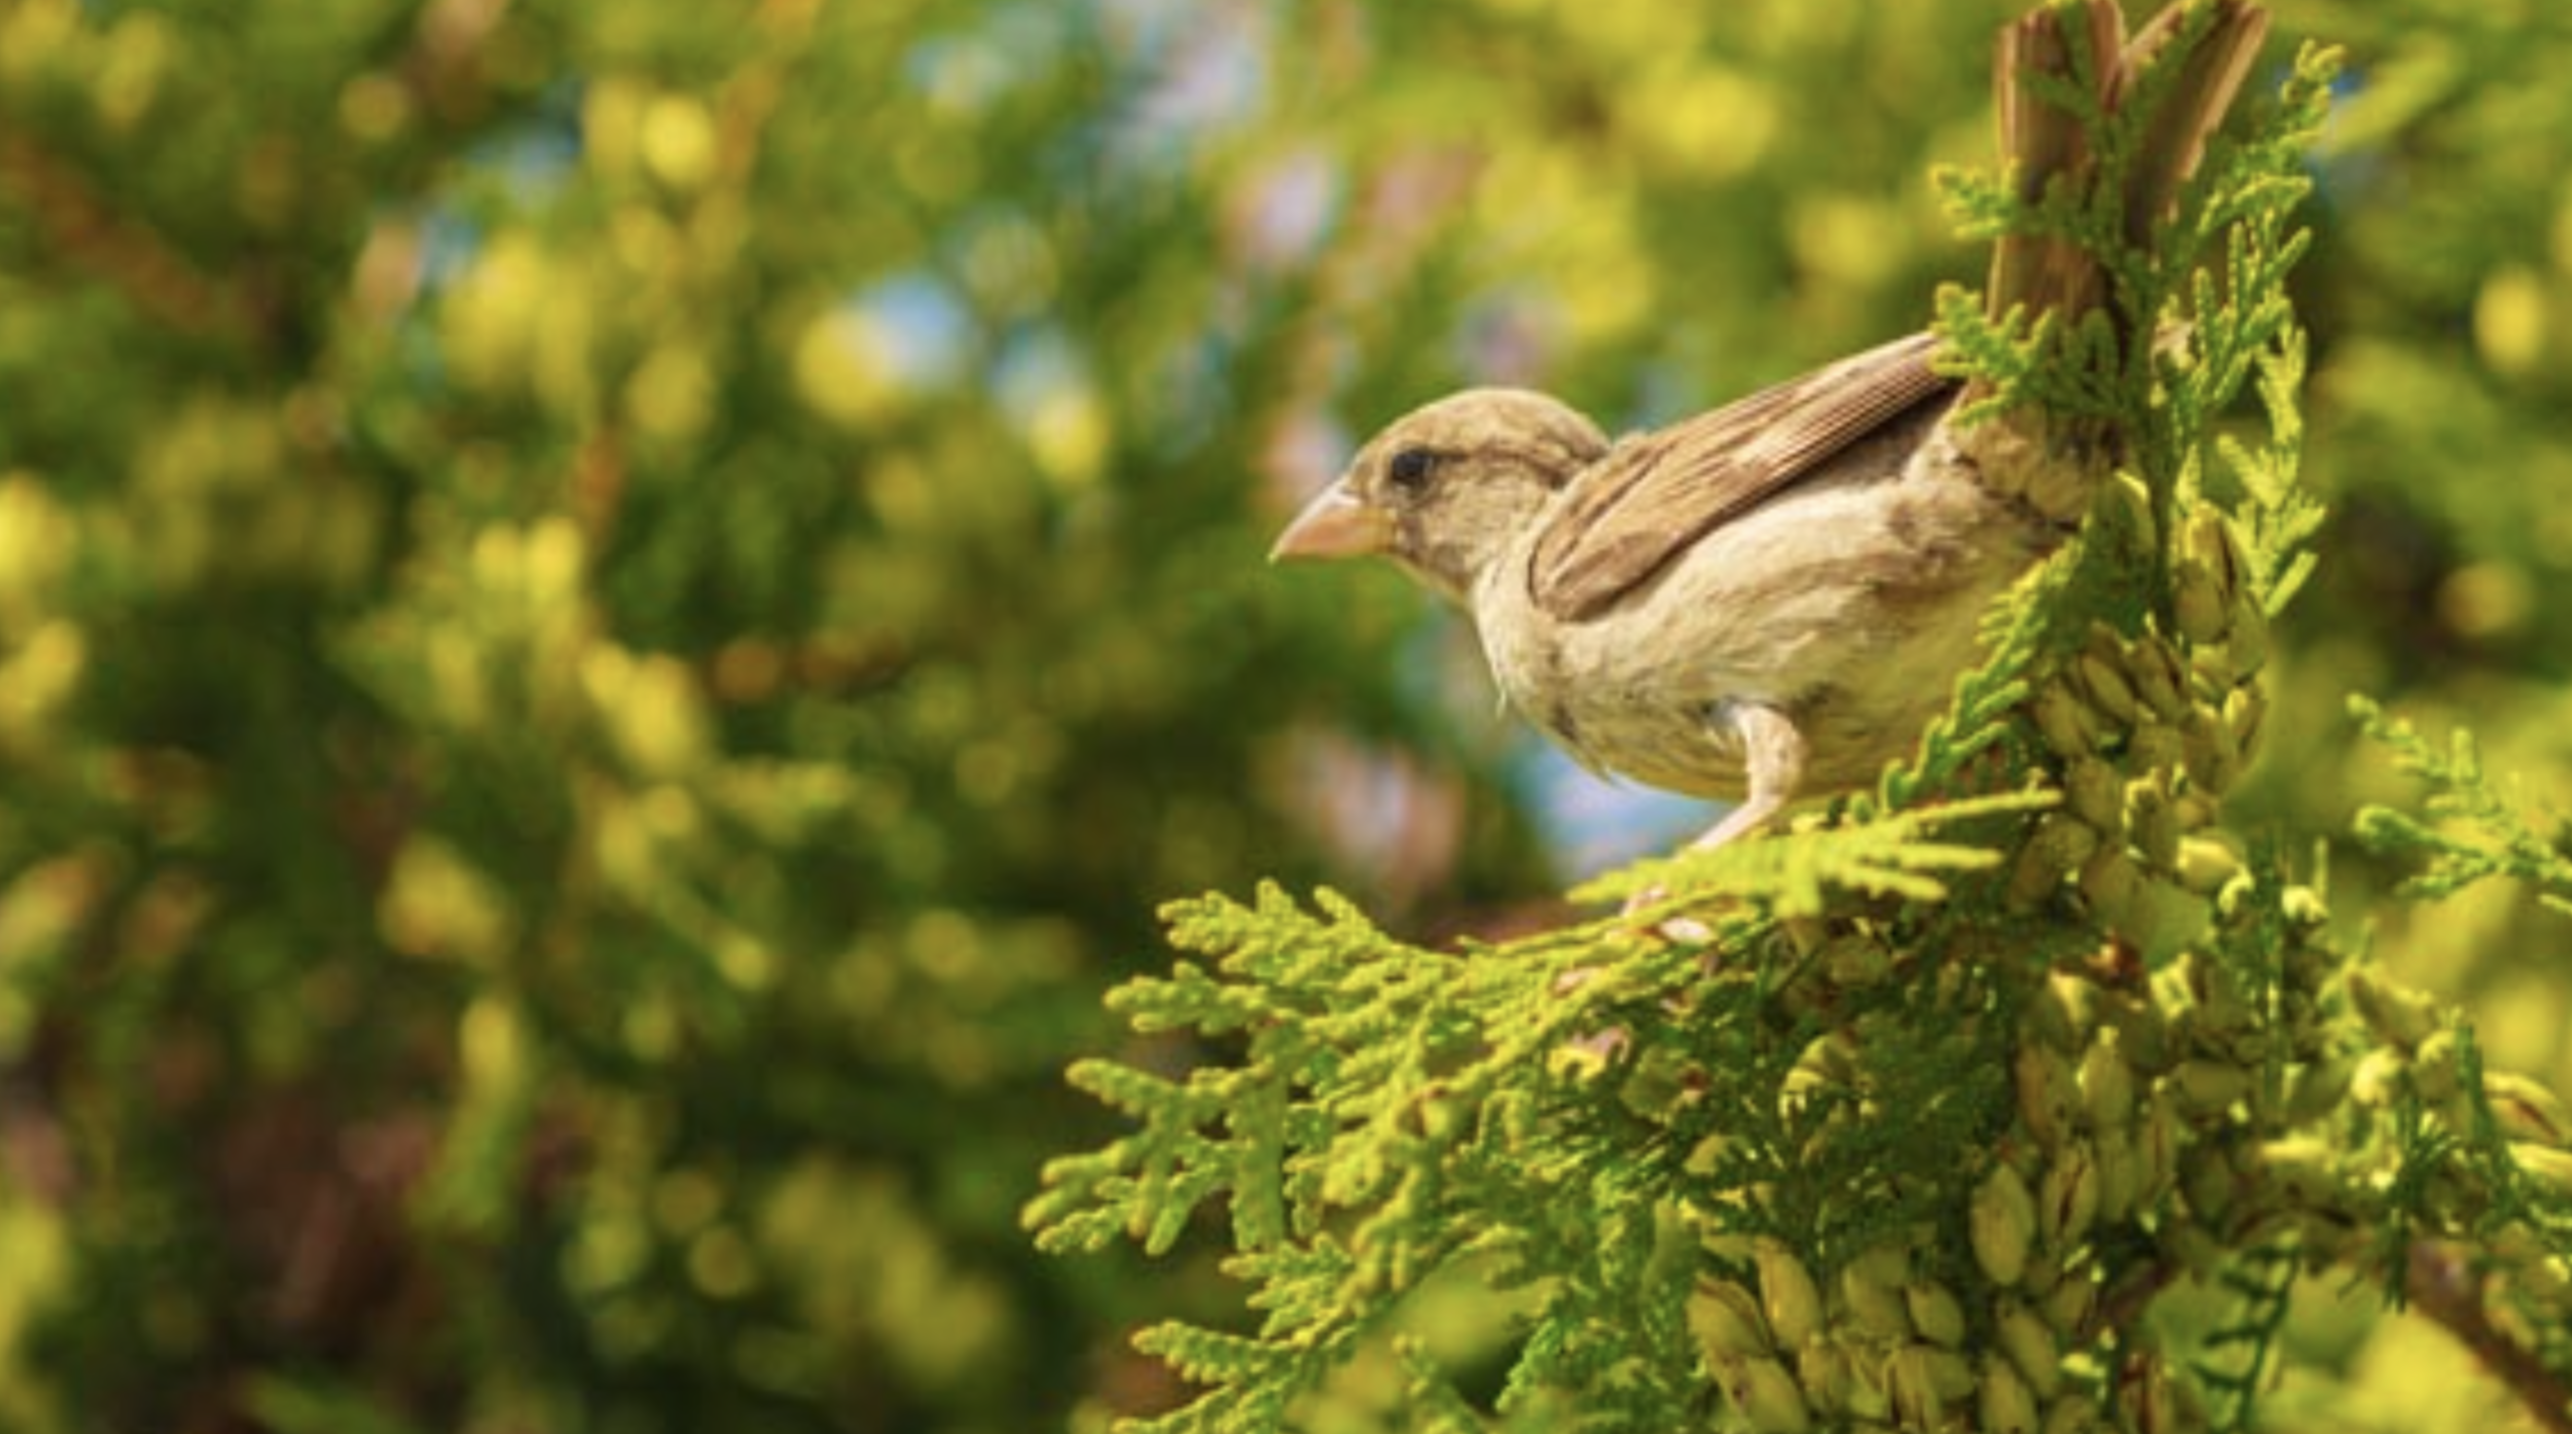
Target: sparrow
{"x": 1771, "y": 600}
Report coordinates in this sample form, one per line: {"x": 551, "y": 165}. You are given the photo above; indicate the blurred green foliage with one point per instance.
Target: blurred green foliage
{"x": 2441, "y": 301}
{"x": 613, "y": 614}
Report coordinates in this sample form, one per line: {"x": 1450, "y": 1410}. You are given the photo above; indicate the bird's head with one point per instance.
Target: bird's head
{"x": 1446, "y": 488}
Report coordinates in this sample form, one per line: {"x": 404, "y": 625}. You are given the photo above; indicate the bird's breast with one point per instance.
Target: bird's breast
{"x": 1602, "y": 693}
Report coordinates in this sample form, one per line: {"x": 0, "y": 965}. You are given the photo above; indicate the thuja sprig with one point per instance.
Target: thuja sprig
{"x": 2240, "y": 1352}
{"x": 2468, "y": 832}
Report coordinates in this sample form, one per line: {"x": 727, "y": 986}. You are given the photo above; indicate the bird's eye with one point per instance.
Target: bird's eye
{"x": 1410, "y": 469}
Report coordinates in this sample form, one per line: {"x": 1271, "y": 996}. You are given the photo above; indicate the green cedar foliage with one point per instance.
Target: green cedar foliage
{"x": 2471, "y": 832}
{"x": 568, "y": 785}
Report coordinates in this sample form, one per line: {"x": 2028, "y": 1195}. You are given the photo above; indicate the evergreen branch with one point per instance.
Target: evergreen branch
{"x": 1439, "y": 1408}
{"x": 1254, "y": 1380}
{"x": 2523, "y": 1184}
{"x": 2442, "y": 1282}
{"x": 2262, "y": 1282}
{"x": 2283, "y": 517}
{"x": 1888, "y": 855}
{"x": 2471, "y": 833}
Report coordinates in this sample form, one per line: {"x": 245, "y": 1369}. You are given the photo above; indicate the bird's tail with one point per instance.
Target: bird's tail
{"x": 2073, "y": 54}
{"x": 2080, "y": 49}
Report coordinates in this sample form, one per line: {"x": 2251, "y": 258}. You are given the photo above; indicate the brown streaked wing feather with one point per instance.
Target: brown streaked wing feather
{"x": 1650, "y": 497}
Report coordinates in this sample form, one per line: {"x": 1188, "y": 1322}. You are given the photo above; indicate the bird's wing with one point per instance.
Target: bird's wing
{"x": 1650, "y": 497}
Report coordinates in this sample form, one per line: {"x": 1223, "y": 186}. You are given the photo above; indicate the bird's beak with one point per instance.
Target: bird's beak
{"x": 1336, "y": 524}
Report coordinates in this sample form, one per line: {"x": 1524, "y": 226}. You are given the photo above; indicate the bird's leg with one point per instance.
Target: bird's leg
{"x": 1773, "y": 758}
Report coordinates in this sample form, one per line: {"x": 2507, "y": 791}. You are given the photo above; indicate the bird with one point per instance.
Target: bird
{"x": 1771, "y": 600}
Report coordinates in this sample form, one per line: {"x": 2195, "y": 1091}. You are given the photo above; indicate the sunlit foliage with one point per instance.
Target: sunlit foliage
{"x": 614, "y": 613}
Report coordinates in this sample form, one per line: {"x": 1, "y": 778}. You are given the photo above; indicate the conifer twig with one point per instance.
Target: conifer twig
{"x": 2440, "y": 1281}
